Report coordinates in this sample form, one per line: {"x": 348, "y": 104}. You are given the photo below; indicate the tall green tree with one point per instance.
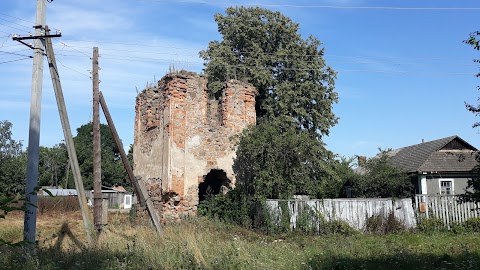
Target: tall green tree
{"x": 474, "y": 41}
{"x": 264, "y": 48}
{"x": 284, "y": 154}
{"x": 382, "y": 179}
{"x": 113, "y": 172}
{"x": 472, "y": 192}
{"x": 53, "y": 165}
{"x": 276, "y": 161}
{"x": 13, "y": 162}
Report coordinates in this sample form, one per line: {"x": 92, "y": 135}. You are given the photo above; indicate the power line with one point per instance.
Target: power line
{"x": 28, "y": 27}
{"x": 259, "y": 53}
{"x": 65, "y": 45}
{"x": 4, "y": 14}
{"x": 16, "y": 28}
{"x": 73, "y": 69}
{"x": 12, "y": 53}
{"x": 135, "y": 44}
{"x": 321, "y": 6}
{"x": 14, "y": 60}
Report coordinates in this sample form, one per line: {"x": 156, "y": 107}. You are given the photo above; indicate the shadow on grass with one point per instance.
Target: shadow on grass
{"x": 66, "y": 231}
{"x": 53, "y": 258}
{"x": 403, "y": 260}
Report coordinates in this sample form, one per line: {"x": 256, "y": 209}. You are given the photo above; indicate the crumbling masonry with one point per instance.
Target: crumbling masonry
{"x": 183, "y": 148}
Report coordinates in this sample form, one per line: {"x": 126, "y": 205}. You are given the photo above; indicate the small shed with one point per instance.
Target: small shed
{"x": 57, "y": 192}
{"x": 118, "y": 197}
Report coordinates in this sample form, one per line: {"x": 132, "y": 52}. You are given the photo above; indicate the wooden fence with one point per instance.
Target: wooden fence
{"x": 448, "y": 208}
{"x": 353, "y": 211}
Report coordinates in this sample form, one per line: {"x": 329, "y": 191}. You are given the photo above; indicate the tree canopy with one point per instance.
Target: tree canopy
{"x": 113, "y": 172}
{"x": 475, "y": 43}
{"x": 382, "y": 179}
{"x": 264, "y": 48}
{"x": 472, "y": 192}
{"x": 276, "y": 161}
{"x": 13, "y": 162}
{"x": 284, "y": 154}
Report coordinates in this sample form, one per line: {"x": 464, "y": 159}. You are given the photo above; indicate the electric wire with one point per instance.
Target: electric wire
{"x": 72, "y": 69}
{"x": 14, "y": 60}
{"x": 320, "y": 6}
{"x": 13, "y": 53}
{"x": 28, "y": 27}
{"x": 20, "y": 19}
{"x": 13, "y": 27}
{"x": 244, "y": 52}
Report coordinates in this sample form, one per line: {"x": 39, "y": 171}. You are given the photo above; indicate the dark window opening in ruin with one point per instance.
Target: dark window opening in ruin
{"x": 215, "y": 182}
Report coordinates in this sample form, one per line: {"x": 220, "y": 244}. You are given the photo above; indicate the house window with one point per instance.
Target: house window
{"x": 446, "y": 187}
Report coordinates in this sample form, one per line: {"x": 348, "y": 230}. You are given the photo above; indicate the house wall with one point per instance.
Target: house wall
{"x": 181, "y": 135}
{"x": 459, "y": 184}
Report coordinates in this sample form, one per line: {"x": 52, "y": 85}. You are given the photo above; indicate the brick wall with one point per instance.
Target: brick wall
{"x": 181, "y": 135}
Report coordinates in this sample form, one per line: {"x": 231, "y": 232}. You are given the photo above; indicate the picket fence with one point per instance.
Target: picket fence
{"x": 353, "y": 211}
{"x": 448, "y": 208}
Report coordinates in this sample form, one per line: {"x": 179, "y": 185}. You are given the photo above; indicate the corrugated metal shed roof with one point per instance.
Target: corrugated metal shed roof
{"x": 59, "y": 192}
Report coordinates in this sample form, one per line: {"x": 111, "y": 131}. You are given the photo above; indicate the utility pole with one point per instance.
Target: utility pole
{"x": 72, "y": 154}
{"x": 97, "y": 161}
{"x": 138, "y": 185}
{"x": 30, "y": 219}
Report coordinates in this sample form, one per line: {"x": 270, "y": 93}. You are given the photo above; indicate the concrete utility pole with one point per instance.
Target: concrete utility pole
{"x": 72, "y": 154}
{"x": 138, "y": 185}
{"x": 97, "y": 160}
{"x": 30, "y": 220}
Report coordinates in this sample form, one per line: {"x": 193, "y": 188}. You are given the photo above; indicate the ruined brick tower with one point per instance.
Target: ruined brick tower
{"x": 183, "y": 148}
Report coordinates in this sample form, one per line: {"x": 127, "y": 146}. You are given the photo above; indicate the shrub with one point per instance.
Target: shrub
{"x": 431, "y": 225}
{"x": 58, "y": 204}
{"x": 232, "y": 207}
{"x": 379, "y": 224}
{"x": 457, "y": 227}
{"x": 338, "y": 227}
{"x": 473, "y": 224}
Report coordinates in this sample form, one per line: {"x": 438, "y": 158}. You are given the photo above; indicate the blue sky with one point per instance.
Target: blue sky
{"x": 403, "y": 71}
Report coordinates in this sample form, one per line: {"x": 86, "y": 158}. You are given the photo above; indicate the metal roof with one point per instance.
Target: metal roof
{"x": 432, "y": 156}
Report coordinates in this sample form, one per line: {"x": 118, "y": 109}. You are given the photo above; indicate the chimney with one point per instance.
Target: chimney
{"x": 361, "y": 160}
{"x": 423, "y": 140}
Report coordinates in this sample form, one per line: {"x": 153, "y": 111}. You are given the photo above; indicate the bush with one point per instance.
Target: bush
{"x": 472, "y": 224}
{"x": 431, "y": 225}
{"x": 378, "y": 224}
{"x": 232, "y": 207}
{"x": 58, "y": 204}
{"x": 338, "y": 227}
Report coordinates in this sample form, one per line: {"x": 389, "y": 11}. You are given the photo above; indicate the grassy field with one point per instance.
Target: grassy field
{"x": 205, "y": 244}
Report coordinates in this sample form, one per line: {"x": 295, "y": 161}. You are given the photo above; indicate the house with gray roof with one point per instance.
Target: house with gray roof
{"x": 439, "y": 167}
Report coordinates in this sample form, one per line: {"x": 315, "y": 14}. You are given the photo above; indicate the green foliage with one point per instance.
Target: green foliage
{"x": 275, "y": 161}
{"x": 13, "y": 162}
{"x": 473, "y": 224}
{"x": 283, "y": 155}
{"x": 382, "y": 179}
{"x": 113, "y": 172}
{"x": 431, "y": 225}
{"x": 232, "y": 207}
{"x": 379, "y": 224}
{"x": 474, "y": 41}
{"x": 9, "y": 204}
{"x": 63, "y": 204}
{"x": 53, "y": 165}
{"x": 264, "y": 48}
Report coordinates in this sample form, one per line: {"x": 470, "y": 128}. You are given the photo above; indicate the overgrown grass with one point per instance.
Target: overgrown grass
{"x": 207, "y": 244}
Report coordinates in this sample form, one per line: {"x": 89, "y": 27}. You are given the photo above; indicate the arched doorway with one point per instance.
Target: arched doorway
{"x": 212, "y": 184}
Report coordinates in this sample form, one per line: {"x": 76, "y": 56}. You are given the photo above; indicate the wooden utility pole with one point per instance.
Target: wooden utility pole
{"x": 30, "y": 219}
{"x": 138, "y": 185}
{"x": 97, "y": 159}
{"x": 72, "y": 154}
